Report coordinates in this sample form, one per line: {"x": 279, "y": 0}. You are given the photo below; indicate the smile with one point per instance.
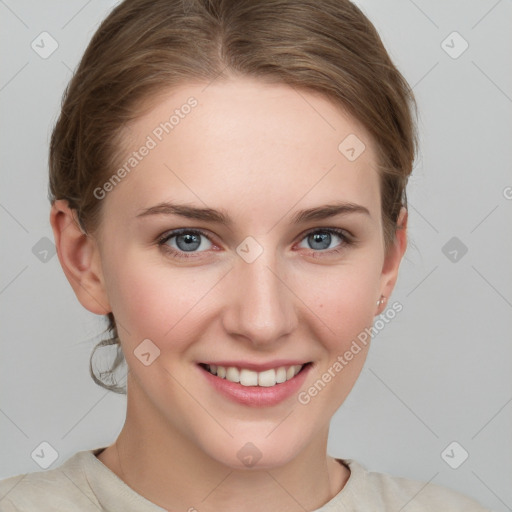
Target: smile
{"x": 246, "y": 377}
{"x": 263, "y": 385}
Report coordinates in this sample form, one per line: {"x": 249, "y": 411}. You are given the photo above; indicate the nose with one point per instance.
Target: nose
{"x": 261, "y": 304}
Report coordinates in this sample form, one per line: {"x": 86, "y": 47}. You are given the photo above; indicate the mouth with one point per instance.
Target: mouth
{"x": 272, "y": 377}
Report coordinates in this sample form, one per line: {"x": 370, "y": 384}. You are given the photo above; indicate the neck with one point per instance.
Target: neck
{"x": 169, "y": 469}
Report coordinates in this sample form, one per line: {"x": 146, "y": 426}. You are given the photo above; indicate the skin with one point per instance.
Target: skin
{"x": 260, "y": 152}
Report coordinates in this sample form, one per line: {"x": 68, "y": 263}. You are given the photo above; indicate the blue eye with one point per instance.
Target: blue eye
{"x": 186, "y": 242}
{"x": 321, "y": 239}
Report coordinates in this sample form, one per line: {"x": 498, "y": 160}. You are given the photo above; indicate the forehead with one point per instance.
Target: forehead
{"x": 248, "y": 146}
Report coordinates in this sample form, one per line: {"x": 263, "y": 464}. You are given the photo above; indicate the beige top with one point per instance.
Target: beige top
{"x": 83, "y": 482}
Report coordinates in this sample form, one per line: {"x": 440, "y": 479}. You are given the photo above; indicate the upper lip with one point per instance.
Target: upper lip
{"x": 257, "y": 367}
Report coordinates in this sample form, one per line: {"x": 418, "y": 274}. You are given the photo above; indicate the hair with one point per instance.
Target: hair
{"x": 146, "y": 47}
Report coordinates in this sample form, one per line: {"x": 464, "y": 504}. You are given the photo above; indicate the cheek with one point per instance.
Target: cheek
{"x": 151, "y": 301}
{"x": 343, "y": 298}
{"x": 344, "y": 301}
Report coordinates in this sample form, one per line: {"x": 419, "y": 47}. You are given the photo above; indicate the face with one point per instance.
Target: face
{"x": 253, "y": 285}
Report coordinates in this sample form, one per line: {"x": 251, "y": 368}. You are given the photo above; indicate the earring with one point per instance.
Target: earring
{"x": 381, "y": 300}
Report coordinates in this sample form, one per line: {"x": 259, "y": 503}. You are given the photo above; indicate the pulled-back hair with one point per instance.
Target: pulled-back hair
{"x": 146, "y": 47}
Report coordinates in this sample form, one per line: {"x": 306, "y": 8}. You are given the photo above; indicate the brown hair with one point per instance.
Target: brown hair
{"x": 145, "y": 47}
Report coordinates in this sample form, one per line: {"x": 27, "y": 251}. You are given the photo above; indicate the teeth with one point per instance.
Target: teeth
{"x": 234, "y": 375}
{"x": 267, "y": 378}
{"x": 281, "y": 375}
{"x": 247, "y": 377}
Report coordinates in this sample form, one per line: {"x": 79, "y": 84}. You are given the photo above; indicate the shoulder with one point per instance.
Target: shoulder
{"x": 386, "y": 492}
{"x": 63, "y": 488}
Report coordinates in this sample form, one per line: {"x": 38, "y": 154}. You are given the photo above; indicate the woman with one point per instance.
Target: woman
{"x": 227, "y": 182}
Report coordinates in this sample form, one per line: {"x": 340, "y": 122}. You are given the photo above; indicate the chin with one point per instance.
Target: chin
{"x": 259, "y": 454}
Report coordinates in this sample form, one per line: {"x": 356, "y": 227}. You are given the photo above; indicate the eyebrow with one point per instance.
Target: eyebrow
{"x": 220, "y": 217}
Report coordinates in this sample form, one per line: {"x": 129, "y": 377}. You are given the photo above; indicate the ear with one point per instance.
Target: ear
{"x": 393, "y": 259}
{"x": 80, "y": 258}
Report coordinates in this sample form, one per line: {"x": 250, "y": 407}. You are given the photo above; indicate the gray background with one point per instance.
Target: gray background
{"x": 439, "y": 372}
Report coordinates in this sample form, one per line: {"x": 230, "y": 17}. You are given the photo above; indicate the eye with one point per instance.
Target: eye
{"x": 321, "y": 239}
{"x": 182, "y": 241}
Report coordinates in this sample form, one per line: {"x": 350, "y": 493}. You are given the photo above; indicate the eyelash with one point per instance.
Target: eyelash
{"x": 162, "y": 241}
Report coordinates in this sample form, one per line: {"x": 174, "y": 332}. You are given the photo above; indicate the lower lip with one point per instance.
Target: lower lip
{"x": 257, "y": 396}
